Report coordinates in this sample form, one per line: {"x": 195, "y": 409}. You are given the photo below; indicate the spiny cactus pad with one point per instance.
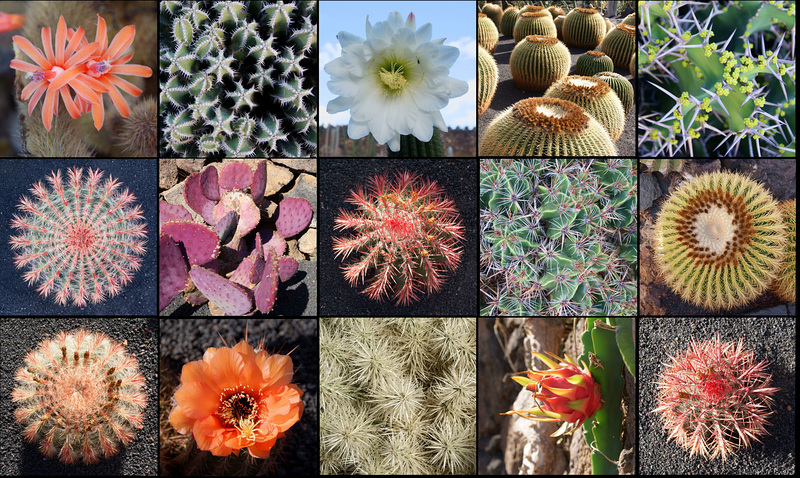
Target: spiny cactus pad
{"x": 595, "y": 97}
{"x": 294, "y": 215}
{"x": 200, "y": 242}
{"x": 720, "y": 240}
{"x": 173, "y": 272}
{"x": 546, "y": 127}
{"x": 583, "y": 28}
{"x": 238, "y": 78}
{"x": 538, "y": 61}
{"x": 231, "y": 298}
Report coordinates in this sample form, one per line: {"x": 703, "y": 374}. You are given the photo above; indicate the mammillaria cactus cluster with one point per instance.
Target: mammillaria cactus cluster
{"x": 558, "y": 237}
{"x": 237, "y": 78}
{"x": 228, "y": 260}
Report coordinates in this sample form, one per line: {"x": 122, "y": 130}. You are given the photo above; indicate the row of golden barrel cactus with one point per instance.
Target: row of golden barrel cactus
{"x": 540, "y": 62}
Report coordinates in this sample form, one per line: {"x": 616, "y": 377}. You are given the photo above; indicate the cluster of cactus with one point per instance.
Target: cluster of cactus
{"x": 593, "y": 62}
{"x": 537, "y": 61}
{"x": 620, "y": 45}
{"x": 583, "y": 28}
{"x": 546, "y": 127}
{"x": 397, "y": 396}
{"x": 229, "y": 261}
{"x": 238, "y": 79}
{"x": 487, "y": 33}
{"x": 720, "y": 79}
{"x": 487, "y": 79}
{"x": 595, "y": 97}
{"x": 558, "y": 237}
{"x": 406, "y": 233}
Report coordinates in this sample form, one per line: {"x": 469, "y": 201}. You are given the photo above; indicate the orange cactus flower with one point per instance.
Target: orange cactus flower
{"x": 237, "y": 398}
{"x": 567, "y": 393}
{"x": 108, "y": 62}
{"x": 63, "y": 65}
{"x": 10, "y": 21}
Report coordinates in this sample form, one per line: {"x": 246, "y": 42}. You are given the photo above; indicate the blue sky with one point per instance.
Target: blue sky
{"x": 455, "y": 21}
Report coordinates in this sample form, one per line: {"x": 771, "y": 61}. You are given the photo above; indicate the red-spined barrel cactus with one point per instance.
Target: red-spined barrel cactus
{"x": 714, "y": 398}
{"x": 407, "y": 233}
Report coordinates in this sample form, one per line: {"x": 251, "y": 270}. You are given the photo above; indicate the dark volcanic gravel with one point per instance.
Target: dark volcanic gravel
{"x": 771, "y": 339}
{"x": 18, "y": 336}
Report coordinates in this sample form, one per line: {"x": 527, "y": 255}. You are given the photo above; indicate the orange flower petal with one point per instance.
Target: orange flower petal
{"x": 135, "y": 70}
{"x": 82, "y": 55}
{"x": 72, "y": 109}
{"x": 74, "y": 42}
{"x": 31, "y": 89}
{"x": 61, "y": 40}
{"x": 84, "y": 90}
{"x": 208, "y": 433}
{"x": 121, "y": 42}
{"x": 40, "y": 90}
{"x": 47, "y": 43}
{"x": 262, "y": 449}
{"x": 134, "y": 91}
{"x": 101, "y": 37}
{"x": 34, "y": 53}
{"x": 65, "y": 77}
{"x": 98, "y": 113}
{"x": 92, "y": 83}
{"x": 196, "y": 400}
{"x": 47, "y": 108}
{"x": 180, "y": 421}
{"x": 23, "y": 66}
{"x": 277, "y": 370}
{"x": 225, "y": 366}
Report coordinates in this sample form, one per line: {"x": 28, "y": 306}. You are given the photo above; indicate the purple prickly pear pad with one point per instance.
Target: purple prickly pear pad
{"x": 235, "y": 176}
{"x": 259, "y": 184}
{"x": 209, "y": 181}
{"x": 294, "y": 215}
{"x": 225, "y": 294}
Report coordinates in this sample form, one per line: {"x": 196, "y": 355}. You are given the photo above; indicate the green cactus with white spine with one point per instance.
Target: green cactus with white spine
{"x": 537, "y": 61}
{"x": 487, "y": 33}
{"x": 510, "y": 16}
{"x": 595, "y": 97}
{"x": 621, "y": 86}
{"x": 487, "y": 79}
{"x": 620, "y": 45}
{"x": 546, "y": 127}
{"x": 534, "y": 23}
{"x": 593, "y": 62}
{"x": 583, "y": 28}
{"x": 238, "y": 78}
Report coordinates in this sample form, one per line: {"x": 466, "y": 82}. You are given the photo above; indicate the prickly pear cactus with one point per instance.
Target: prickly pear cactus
{"x": 558, "y": 237}
{"x": 238, "y": 79}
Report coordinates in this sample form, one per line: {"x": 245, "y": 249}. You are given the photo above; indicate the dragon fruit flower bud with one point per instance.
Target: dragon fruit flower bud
{"x": 565, "y": 393}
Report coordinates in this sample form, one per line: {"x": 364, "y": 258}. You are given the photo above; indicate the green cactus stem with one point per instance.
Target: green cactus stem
{"x": 411, "y": 147}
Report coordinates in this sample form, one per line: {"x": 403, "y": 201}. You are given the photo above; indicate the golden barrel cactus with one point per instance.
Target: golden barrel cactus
{"x": 594, "y": 96}
{"x": 538, "y": 61}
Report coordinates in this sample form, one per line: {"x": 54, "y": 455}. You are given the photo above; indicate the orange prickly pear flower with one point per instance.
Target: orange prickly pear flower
{"x": 237, "y": 398}
{"x": 565, "y": 393}
{"x": 61, "y": 65}
{"x": 106, "y": 64}
{"x": 10, "y": 21}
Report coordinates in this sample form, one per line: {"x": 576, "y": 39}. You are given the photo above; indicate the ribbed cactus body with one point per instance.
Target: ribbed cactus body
{"x": 487, "y": 79}
{"x": 584, "y": 28}
{"x": 593, "y": 62}
{"x": 621, "y": 86}
{"x": 630, "y": 20}
{"x": 620, "y": 45}
{"x": 532, "y": 8}
{"x": 559, "y": 22}
{"x": 495, "y": 12}
{"x": 595, "y": 97}
{"x": 633, "y": 67}
{"x": 487, "y": 33}
{"x": 530, "y": 23}
{"x": 537, "y": 61}
{"x": 545, "y": 127}
{"x": 510, "y": 16}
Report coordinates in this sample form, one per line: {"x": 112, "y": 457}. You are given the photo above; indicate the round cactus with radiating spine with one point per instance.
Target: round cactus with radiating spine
{"x": 593, "y": 62}
{"x": 487, "y": 33}
{"x": 509, "y": 19}
{"x": 630, "y": 20}
{"x": 785, "y": 285}
{"x": 583, "y": 28}
{"x": 545, "y": 127}
{"x": 621, "y": 86}
{"x": 532, "y": 8}
{"x": 594, "y": 96}
{"x": 533, "y": 23}
{"x": 720, "y": 240}
{"x": 620, "y": 45}
{"x": 487, "y": 79}
{"x": 79, "y": 396}
{"x": 538, "y": 61}
{"x": 494, "y": 12}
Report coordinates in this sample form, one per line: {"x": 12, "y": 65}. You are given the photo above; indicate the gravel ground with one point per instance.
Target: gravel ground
{"x": 459, "y": 294}
{"x": 507, "y": 93}
{"x": 185, "y": 340}
{"x": 771, "y": 339}
{"x": 18, "y": 336}
{"x": 139, "y": 296}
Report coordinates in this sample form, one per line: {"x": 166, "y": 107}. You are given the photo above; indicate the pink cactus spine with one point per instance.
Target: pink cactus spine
{"x": 407, "y": 233}
{"x": 79, "y": 396}
{"x": 715, "y": 398}
{"x": 81, "y": 239}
